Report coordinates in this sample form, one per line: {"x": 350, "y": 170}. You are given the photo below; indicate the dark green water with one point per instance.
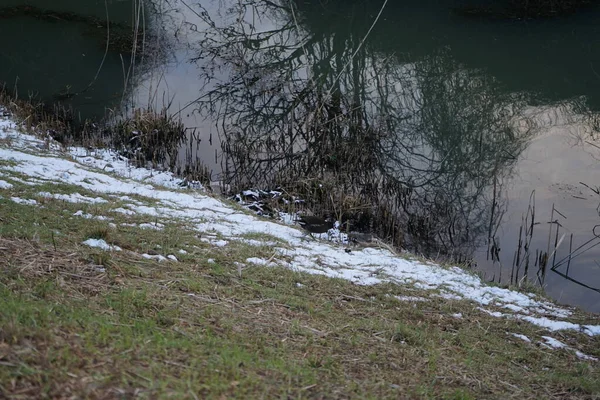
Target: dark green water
{"x": 54, "y": 50}
{"x": 472, "y": 113}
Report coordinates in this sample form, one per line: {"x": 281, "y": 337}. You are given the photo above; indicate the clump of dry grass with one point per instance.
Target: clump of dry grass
{"x": 33, "y": 115}
{"x": 149, "y": 137}
{"x": 30, "y": 261}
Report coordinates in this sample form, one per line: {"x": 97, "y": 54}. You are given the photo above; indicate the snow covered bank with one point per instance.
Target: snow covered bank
{"x": 109, "y": 176}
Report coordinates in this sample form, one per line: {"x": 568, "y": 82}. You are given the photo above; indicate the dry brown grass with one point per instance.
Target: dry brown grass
{"x": 31, "y": 260}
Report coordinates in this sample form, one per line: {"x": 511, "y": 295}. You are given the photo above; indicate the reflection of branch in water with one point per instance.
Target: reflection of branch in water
{"x": 567, "y": 277}
{"x": 522, "y": 252}
{"x": 419, "y": 143}
{"x": 578, "y": 251}
{"x": 542, "y": 257}
{"x": 595, "y": 190}
{"x": 583, "y": 248}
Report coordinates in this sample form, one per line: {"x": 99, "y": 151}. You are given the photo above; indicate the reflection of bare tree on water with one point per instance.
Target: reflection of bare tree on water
{"x": 545, "y": 246}
{"x": 527, "y": 264}
{"x": 410, "y": 150}
{"x": 464, "y": 126}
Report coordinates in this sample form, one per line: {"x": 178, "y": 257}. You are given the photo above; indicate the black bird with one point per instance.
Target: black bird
{"x": 313, "y": 224}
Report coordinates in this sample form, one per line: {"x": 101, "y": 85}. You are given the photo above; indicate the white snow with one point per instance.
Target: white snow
{"x": 515, "y": 308}
{"x": 106, "y": 174}
{"x": 520, "y": 336}
{"x": 157, "y": 257}
{"x": 552, "y": 343}
{"x": 5, "y": 185}
{"x": 101, "y": 243}
{"x": 257, "y": 243}
{"x": 30, "y": 202}
{"x": 73, "y": 198}
{"x": 411, "y": 298}
{"x": 128, "y": 199}
{"x": 557, "y": 344}
{"x": 124, "y": 211}
{"x": 82, "y": 214}
{"x": 585, "y": 356}
{"x": 258, "y": 261}
{"x": 449, "y": 296}
{"x": 253, "y": 193}
{"x": 558, "y": 325}
{"x": 152, "y": 225}
{"x": 496, "y": 314}
{"x": 109, "y": 161}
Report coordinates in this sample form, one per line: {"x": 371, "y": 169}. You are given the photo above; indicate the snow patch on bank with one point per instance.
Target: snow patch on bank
{"x": 101, "y": 244}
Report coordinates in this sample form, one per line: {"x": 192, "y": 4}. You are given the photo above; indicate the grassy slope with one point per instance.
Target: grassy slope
{"x": 76, "y": 321}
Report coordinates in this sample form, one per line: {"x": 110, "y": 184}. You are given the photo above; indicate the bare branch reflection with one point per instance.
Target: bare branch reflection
{"x": 413, "y": 150}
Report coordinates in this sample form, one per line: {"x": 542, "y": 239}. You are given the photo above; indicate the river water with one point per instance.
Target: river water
{"x": 484, "y": 118}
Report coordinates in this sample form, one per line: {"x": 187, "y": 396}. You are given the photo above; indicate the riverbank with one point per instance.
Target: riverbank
{"x": 118, "y": 281}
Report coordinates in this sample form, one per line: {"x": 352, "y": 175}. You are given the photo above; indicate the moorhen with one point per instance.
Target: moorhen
{"x": 313, "y": 224}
